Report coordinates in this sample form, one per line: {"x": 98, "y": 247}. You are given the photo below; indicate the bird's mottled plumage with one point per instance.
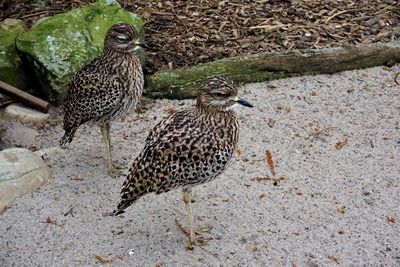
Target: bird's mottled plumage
{"x": 189, "y": 147}
{"x": 108, "y": 87}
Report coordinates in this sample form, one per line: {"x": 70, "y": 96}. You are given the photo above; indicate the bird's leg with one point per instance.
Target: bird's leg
{"x": 116, "y": 165}
{"x": 192, "y": 238}
{"x": 105, "y": 131}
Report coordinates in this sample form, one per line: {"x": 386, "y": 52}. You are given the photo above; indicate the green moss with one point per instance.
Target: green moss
{"x": 58, "y": 47}
{"x": 9, "y": 60}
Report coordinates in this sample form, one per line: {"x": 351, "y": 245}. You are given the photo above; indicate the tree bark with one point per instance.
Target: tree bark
{"x": 183, "y": 83}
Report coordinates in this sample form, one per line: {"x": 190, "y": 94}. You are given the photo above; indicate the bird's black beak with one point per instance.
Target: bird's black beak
{"x": 143, "y": 44}
{"x": 244, "y": 102}
{"x": 140, "y": 43}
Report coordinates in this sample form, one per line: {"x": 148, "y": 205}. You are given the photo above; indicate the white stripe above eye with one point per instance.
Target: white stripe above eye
{"x": 123, "y": 37}
{"x": 219, "y": 102}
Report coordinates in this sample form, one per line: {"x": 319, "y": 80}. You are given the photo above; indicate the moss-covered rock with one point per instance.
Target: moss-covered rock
{"x": 56, "y": 48}
{"x": 9, "y": 60}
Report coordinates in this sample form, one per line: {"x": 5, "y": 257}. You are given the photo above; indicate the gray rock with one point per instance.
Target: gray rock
{"x": 24, "y": 114}
{"x": 21, "y": 172}
{"x": 19, "y": 135}
{"x": 50, "y": 152}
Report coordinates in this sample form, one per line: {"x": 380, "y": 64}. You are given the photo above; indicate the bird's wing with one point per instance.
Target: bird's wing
{"x": 93, "y": 94}
{"x": 164, "y": 126}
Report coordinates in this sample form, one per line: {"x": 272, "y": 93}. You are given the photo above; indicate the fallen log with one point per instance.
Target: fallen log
{"x": 24, "y": 97}
{"x": 183, "y": 83}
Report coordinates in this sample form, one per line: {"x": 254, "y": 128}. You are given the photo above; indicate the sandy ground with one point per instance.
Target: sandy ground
{"x": 334, "y": 138}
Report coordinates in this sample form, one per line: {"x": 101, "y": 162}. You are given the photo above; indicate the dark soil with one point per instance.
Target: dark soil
{"x": 184, "y": 33}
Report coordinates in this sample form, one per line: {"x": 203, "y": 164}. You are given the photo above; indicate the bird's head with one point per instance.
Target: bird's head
{"x": 123, "y": 37}
{"x": 220, "y": 93}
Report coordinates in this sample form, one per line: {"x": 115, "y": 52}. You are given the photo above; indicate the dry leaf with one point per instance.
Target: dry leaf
{"x": 269, "y": 178}
{"x": 76, "y": 178}
{"x": 169, "y": 110}
{"x": 271, "y": 122}
{"x": 341, "y": 143}
{"x": 270, "y": 162}
{"x": 120, "y": 257}
{"x": 261, "y": 197}
{"x": 5, "y": 209}
{"x": 254, "y": 248}
{"x": 341, "y": 209}
{"x": 238, "y": 152}
{"x": 103, "y": 260}
{"x": 295, "y": 190}
{"x": 392, "y": 219}
{"x": 334, "y": 258}
{"x": 49, "y": 220}
{"x": 387, "y": 68}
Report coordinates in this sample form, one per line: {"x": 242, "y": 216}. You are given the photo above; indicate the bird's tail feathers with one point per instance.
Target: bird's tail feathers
{"x": 129, "y": 194}
{"x": 122, "y": 206}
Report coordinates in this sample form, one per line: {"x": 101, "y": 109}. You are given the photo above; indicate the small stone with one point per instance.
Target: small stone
{"x": 50, "y": 152}
{"x": 24, "y": 114}
{"x": 21, "y": 172}
{"x": 19, "y": 135}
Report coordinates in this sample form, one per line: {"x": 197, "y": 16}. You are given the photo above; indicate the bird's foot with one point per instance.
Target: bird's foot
{"x": 196, "y": 242}
{"x": 119, "y": 166}
{"x": 114, "y": 172}
{"x": 197, "y": 231}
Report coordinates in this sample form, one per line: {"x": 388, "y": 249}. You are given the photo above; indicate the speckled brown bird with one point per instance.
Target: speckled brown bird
{"x": 106, "y": 88}
{"x": 187, "y": 148}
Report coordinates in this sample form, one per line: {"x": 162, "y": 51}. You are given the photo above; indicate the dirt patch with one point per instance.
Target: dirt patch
{"x": 185, "y": 33}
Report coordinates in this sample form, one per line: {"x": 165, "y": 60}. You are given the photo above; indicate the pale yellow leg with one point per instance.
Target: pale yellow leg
{"x": 193, "y": 241}
{"x": 112, "y": 168}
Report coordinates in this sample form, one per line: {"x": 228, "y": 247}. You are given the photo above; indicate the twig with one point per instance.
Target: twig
{"x": 337, "y": 14}
{"x": 268, "y": 27}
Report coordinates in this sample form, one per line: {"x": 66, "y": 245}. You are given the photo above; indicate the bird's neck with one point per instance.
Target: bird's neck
{"x": 213, "y": 111}
{"x": 118, "y": 55}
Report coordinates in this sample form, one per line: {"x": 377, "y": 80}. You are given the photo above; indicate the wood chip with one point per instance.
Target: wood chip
{"x": 103, "y": 260}
{"x": 76, "y": 178}
{"x": 340, "y": 144}
{"x": 270, "y": 162}
{"x": 392, "y": 219}
{"x": 334, "y": 258}
{"x": 341, "y": 209}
